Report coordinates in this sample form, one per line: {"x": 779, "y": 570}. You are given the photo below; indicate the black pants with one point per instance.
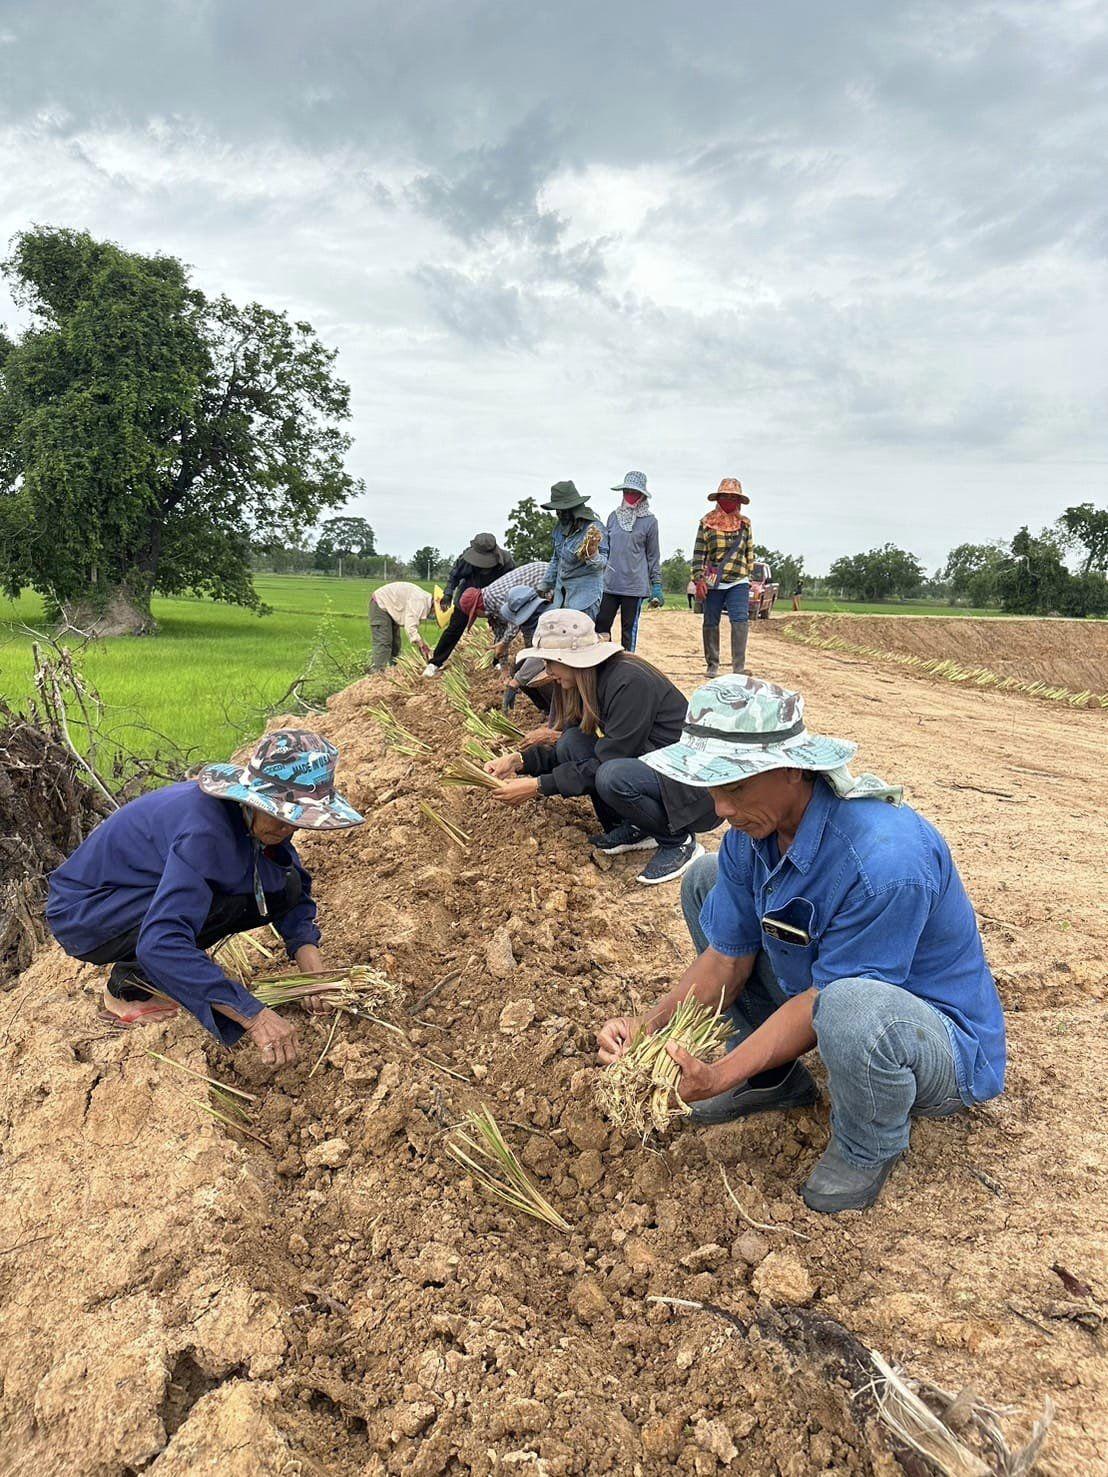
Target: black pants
{"x": 459, "y": 623}
{"x": 624, "y": 790}
{"x": 690, "y": 599}
{"x": 230, "y": 913}
{"x": 628, "y": 608}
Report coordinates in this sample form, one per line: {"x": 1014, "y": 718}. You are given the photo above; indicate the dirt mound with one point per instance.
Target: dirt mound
{"x": 176, "y": 1302}
{"x": 1059, "y": 653}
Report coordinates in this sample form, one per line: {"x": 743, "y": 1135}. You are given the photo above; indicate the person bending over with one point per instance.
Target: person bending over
{"x": 609, "y": 708}
{"x": 399, "y": 606}
{"x": 479, "y": 566}
{"x": 834, "y": 918}
{"x": 178, "y": 869}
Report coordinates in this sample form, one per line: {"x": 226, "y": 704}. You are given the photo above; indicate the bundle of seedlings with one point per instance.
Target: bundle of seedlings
{"x": 639, "y": 1090}
{"x": 448, "y": 828}
{"x": 236, "y": 955}
{"x": 406, "y": 671}
{"x": 463, "y": 772}
{"x": 455, "y": 684}
{"x": 359, "y": 990}
{"x": 479, "y": 751}
{"x": 224, "y": 1103}
{"x": 396, "y": 735}
{"x": 479, "y": 1147}
{"x": 492, "y": 728}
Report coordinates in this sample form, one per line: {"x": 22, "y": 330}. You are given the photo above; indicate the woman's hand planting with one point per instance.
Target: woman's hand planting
{"x": 614, "y": 1037}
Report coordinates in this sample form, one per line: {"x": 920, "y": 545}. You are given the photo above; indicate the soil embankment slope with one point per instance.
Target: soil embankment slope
{"x": 173, "y": 1302}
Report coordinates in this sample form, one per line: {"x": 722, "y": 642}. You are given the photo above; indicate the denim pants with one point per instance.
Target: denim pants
{"x": 888, "y": 1054}
{"x": 623, "y": 790}
{"x": 735, "y": 601}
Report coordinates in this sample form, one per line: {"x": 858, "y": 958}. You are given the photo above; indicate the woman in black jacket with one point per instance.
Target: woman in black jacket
{"x": 610, "y": 708}
{"x": 483, "y": 562}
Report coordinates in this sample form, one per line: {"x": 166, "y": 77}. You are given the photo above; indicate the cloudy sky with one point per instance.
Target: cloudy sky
{"x": 852, "y": 254}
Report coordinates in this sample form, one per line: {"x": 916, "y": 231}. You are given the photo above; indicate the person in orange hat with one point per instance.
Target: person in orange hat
{"x": 722, "y": 558}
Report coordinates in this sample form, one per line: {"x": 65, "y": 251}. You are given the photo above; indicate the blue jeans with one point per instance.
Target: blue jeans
{"x": 735, "y": 601}
{"x": 888, "y": 1054}
{"x": 622, "y": 789}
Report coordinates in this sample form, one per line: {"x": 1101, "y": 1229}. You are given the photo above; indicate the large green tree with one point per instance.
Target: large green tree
{"x": 877, "y": 574}
{"x": 530, "y": 532}
{"x": 972, "y": 571}
{"x": 149, "y": 435}
{"x": 1085, "y": 527}
{"x": 345, "y": 538}
{"x": 1035, "y": 581}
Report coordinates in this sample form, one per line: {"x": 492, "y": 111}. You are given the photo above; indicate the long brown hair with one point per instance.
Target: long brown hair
{"x": 580, "y": 705}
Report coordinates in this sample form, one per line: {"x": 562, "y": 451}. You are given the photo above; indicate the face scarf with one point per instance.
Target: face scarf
{"x": 634, "y": 505}
{"x": 728, "y": 517}
{"x": 567, "y": 517}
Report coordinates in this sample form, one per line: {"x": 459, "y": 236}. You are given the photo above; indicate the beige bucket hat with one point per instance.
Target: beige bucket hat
{"x": 569, "y": 637}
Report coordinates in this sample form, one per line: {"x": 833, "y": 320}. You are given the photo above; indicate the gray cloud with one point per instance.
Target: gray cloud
{"x": 829, "y": 249}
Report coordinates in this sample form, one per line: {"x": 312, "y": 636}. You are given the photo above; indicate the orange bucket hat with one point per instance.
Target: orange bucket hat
{"x": 729, "y": 487}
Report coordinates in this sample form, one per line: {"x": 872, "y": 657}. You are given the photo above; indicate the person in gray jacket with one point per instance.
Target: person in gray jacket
{"x": 634, "y": 563}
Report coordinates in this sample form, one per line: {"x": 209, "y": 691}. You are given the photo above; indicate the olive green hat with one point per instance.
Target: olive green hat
{"x": 564, "y": 498}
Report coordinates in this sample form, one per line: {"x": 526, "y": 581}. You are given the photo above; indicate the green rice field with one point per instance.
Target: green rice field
{"x": 208, "y": 678}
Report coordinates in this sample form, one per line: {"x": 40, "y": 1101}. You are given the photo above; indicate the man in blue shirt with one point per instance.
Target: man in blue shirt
{"x": 834, "y": 918}
{"x": 178, "y": 869}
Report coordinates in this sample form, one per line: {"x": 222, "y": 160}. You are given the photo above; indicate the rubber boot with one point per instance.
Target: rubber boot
{"x": 740, "y": 630}
{"x": 711, "y": 650}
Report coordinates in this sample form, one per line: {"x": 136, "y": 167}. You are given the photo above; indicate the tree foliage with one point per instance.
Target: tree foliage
{"x": 1085, "y": 527}
{"x": 530, "y": 532}
{"x": 1034, "y": 580}
{"x": 342, "y": 538}
{"x": 149, "y": 434}
{"x": 787, "y": 569}
{"x": 877, "y": 574}
{"x": 972, "y": 571}
{"x": 428, "y": 563}
{"x": 676, "y": 572}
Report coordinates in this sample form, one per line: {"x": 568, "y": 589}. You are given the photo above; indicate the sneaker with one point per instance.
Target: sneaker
{"x": 835, "y": 1184}
{"x": 430, "y": 670}
{"x": 671, "y": 862}
{"x": 796, "y": 1089}
{"x": 624, "y": 837}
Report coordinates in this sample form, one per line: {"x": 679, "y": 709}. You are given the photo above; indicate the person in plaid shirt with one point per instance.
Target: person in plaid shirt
{"x": 722, "y": 558}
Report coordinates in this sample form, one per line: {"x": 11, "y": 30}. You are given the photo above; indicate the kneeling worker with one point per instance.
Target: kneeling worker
{"x": 178, "y": 869}
{"x": 832, "y": 919}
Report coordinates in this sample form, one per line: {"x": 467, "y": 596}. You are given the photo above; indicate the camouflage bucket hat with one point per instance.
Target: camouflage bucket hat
{"x": 290, "y": 776}
{"x": 742, "y": 726}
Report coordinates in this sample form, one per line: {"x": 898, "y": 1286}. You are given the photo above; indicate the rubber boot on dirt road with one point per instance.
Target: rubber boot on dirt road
{"x": 711, "y": 650}
{"x": 740, "y": 631}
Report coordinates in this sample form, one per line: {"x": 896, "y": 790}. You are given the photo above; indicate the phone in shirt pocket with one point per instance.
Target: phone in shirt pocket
{"x": 789, "y": 934}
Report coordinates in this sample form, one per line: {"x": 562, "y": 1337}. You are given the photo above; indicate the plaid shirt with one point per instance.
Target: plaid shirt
{"x": 711, "y": 546}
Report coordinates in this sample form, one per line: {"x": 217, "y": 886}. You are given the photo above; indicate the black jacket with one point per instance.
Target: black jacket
{"x": 640, "y": 711}
{"x": 465, "y": 576}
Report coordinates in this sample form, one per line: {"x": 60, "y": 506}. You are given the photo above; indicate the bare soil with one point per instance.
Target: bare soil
{"x": 174, "y": 1301}
{"x": 1061, "y": 653}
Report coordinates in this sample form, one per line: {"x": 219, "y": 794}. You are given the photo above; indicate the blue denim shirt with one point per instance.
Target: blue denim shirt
{"x": 876, "y": 889}
{"x": 577, "y": 584}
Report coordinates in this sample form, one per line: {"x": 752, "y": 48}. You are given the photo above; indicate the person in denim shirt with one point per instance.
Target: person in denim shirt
{"x": 833, "y": 918}
{"x": 574, "y": 578}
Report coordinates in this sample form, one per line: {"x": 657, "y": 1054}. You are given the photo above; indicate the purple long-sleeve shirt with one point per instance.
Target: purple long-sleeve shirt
{"x": 157, "y": 865}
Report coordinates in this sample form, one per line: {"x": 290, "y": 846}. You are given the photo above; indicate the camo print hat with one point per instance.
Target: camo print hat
{"x": 742, "y": 726}
{"x": 290, "y": 776}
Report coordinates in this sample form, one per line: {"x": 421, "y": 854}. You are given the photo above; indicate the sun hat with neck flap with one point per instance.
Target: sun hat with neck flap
{"x": 569, "y": 637}
{"x": 729, "y": 487}
{"x": 738, "y": 727}
{"x": 564, "y": 498}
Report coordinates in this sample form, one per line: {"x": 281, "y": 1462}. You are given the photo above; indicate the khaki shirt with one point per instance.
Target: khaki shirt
{"x": 406, "y": 604}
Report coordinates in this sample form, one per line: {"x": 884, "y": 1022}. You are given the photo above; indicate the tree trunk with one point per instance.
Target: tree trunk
{"x": 115, "y": 611}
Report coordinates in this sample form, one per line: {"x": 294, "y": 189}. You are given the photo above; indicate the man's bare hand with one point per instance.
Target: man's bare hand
{"x": 697, "y": 1078}
{"x": 614, "y": 1037}
{"x": 277, "y": 1040}
{"x": 310, "y": 961}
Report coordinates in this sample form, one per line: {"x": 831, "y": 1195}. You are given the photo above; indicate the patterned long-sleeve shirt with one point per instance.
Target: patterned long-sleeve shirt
{"x": 530, "y": 574}
{"x": 735, "y": 551}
